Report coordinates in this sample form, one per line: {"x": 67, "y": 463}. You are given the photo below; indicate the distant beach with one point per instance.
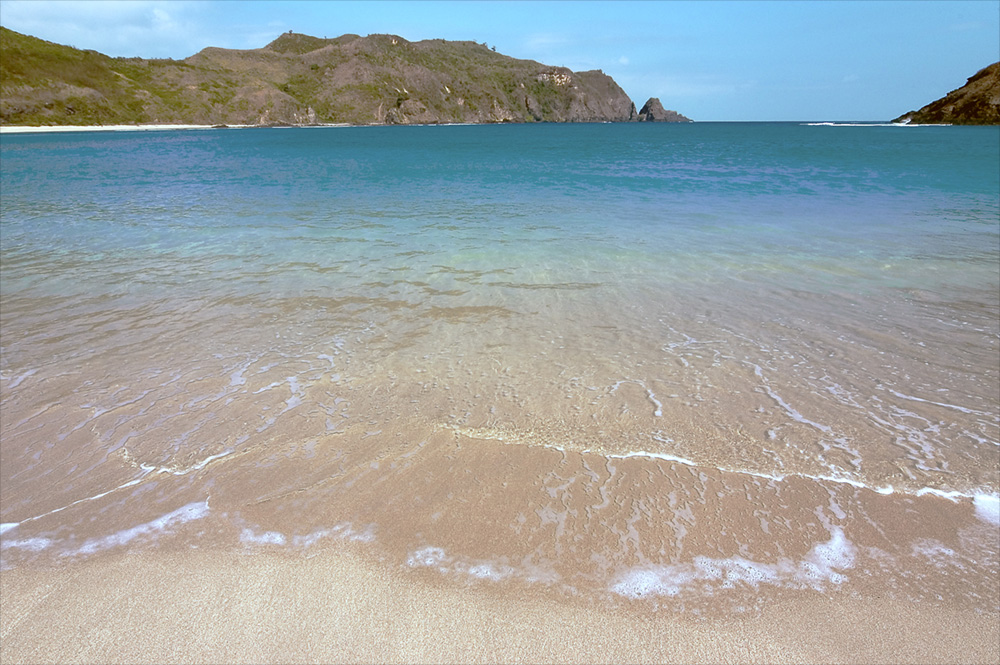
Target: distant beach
{"x": 19, "y": 129}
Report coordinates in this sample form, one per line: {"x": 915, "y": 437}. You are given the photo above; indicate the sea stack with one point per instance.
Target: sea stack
{"x": 653, "y": 111}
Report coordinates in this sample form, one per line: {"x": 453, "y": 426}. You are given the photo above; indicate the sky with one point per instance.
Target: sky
{"x": 710, "y": 60}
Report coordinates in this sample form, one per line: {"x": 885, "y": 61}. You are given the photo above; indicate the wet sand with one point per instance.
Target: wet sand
{"x": 339, "y": 607}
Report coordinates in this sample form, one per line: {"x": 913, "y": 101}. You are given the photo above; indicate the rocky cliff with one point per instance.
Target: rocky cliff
{"x": 298, "y": 79}
{"x": 975, "y": 103}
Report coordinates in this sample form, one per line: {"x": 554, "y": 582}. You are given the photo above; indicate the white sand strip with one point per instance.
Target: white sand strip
{"x": 9, "y": 129}
{"x": 20, "y": 129}
{"x": 212, "y": 607}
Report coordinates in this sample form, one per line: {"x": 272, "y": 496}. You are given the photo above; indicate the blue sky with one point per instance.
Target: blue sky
{"x": 710, "y": 60}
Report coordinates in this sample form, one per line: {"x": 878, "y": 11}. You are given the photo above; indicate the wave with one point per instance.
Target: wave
{"x": 870, "y": 124}
{"x": 190, "y": 512}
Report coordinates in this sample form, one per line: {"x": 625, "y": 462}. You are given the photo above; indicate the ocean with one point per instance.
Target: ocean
{"x": 699, "y": 367}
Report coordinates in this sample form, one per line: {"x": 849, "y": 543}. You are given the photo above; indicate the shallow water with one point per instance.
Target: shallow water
{"x": 678, "y": 363}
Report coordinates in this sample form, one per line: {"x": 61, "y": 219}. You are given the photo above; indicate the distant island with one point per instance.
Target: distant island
{"x": 975, "y": 103}
{"x": 303, "y": 80}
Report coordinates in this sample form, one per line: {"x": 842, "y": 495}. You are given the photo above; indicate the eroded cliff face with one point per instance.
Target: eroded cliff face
{"x": 975, "y": 103}
{"x": 298, "y": 79}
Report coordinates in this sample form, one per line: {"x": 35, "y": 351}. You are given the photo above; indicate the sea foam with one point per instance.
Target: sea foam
{"x": 188, "y": 513}
{"x": 988, "y": 507}
{"x": 820, "y": 566}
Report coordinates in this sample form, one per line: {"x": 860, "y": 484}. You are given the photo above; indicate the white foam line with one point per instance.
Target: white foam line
{"x": 192, "y": 511}
{"x": 147, "y": 469}
{"x": 89, "y": 498}
{"x": 7, "y": 526}
{"x": 947, "y": 406}
{"x": 904, "y": 123}
{"x": 792, "y": 412}
{"x": 663, "y": 456}
{"x": 297, "y": 394}
{"x": 659, "y": 407}
{"x": 886, "y": 490}
{"x": 99, "y": 411}
{"x": 183, "y": 472}
{"x": 652, "y": 397}
{"x": 951, "y": 495}
{"x": 16, "y": 381}
{"x": 25, "y": 129}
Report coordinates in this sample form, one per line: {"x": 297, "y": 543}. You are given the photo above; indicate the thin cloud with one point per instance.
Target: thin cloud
{"x": 698, "y": 87}
{"x": 543, "y": 42}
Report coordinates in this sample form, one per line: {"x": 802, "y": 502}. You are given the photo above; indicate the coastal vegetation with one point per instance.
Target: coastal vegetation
{"x": 299, "y": 79}
{"x": 975, "y": 103}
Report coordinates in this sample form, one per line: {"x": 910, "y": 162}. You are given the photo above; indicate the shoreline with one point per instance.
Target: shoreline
{"x": 430, "y": 397}
{"x": 211, "y": 606}
{"x": 45, "y": 129}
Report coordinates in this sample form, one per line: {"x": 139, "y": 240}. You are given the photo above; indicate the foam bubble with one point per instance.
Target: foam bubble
{"x": 932, "y": 549}
{"x": 988, "y": 507}
{"x": 250, "y": 537}
{"x": 426, "y": 556}
{"x": 343, "y": 530}
{"x": 366, "y": 536}
{"x": 819, "y": 567}
{"x": 641, "y": 583}
{"x": 486, "y": 571}
{"x": 311, "y": 539}
{"x": 436, "y": 557}
{"x": 838, "y": 552}
{"x": 30, "y": 544}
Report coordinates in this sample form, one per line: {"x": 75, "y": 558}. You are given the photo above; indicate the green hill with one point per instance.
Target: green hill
{"x": 975, "y": 103}
{"x": 298, "y": 79}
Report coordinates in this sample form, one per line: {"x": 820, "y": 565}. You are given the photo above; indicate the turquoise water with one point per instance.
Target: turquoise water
{"x": 265, "y": 313}
{"x": 710, "y": 201}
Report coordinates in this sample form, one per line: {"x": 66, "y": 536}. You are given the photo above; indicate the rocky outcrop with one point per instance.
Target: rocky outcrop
{"x": 299, "y": 79}
{"x": 653, "y": 111}
{"x": 975, "y": 103}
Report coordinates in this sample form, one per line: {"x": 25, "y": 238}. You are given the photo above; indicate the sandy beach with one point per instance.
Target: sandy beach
{"x": 55, "y": 129}
{"x": 339, "y": 607}
{"x": 19, "y": 129}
